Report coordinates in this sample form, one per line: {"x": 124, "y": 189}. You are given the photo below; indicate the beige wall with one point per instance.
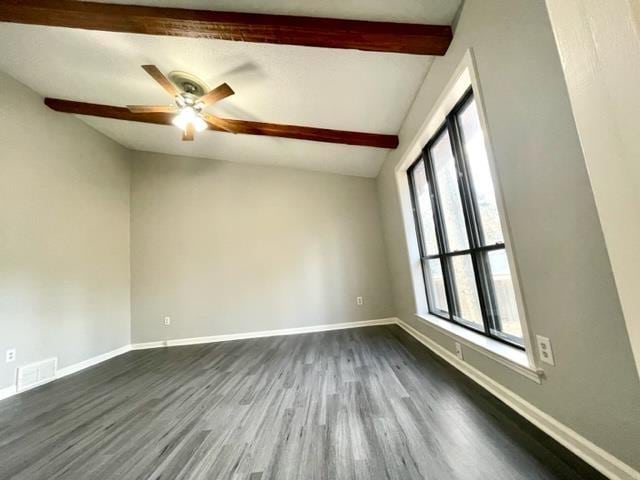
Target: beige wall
{"x": 228, "y": 248}
{"x": 599, "y": 44}
{"x": 64, "y": 241}
{"x": 565, "y": 274}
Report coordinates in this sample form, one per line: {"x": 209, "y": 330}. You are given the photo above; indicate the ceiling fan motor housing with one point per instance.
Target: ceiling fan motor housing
{"x": 188, "y": 84}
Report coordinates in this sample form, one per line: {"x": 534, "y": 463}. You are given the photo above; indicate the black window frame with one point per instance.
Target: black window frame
{"x": 475, "y": 249}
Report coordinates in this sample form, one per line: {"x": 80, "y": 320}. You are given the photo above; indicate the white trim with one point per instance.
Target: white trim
{"x": 500, "y": 352}
{"x": 76, "y": 367}
{"x": 595, "y": 456}
{"x": 263, "y": 333}
{"x": 7, "y": 392}
{"x": 583, "y": 448}
{"x": 148, "y": 345}
{"x": 12, "y": 390}
{"x": 465, "y": 76}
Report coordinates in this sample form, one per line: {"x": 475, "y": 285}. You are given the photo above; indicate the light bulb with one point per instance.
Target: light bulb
{"x": 199, "y": 124}
{"x": 186, "y": 116}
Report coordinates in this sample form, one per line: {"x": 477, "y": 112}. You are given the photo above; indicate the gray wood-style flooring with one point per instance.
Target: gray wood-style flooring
{"x": 368, "y": 403}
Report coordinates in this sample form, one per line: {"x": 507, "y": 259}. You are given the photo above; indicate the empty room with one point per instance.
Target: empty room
{"x": 283, "y": 239}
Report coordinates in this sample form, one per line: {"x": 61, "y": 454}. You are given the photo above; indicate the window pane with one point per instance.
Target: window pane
{"x": 466, "y": 292}
{"x": 448, "y": 193}
{"x": 478, "y": 163}
{"x": 508, "y": 321}
{"x": 437, "y": 295}
{"x": 423, "y": 204}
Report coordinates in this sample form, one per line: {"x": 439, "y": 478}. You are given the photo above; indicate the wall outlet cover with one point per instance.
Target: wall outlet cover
{"x": 459, "y": 353}
{"x": 167, "y": 321}
{"x": 544, "y": 350}
{"x": 359, "y": 301}
{"x": 11, "y": 355}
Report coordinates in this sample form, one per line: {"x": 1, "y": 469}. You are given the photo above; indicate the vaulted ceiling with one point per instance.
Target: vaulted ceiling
{"x": 319, "y": 87}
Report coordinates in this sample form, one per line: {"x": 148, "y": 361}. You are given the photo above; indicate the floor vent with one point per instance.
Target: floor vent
{"x": 36, "y": 374}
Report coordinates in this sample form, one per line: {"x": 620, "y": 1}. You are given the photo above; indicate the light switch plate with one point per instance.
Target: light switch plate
{"x": 544, "y": 350}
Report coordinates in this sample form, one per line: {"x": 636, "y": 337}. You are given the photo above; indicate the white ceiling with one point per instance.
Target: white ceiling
{"x": 340, "y": 89}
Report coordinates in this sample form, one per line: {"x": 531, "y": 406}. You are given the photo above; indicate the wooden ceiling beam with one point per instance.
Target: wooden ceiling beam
{"x": 246, "y": 27}
{"x": 345, "y": 137}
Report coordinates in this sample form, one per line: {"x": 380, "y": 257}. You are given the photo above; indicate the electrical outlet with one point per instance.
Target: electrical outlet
{"x": 359, "y": 301}
{"x": 11, "y": 355}
{"x": 544, "y": 349}
{"x": 459, "y": 351}
{"x": 167, "y": 321}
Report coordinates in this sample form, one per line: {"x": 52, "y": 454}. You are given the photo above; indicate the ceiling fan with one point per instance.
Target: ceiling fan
{"x": 191, "y": 96}
{"x": 190, "y": 102}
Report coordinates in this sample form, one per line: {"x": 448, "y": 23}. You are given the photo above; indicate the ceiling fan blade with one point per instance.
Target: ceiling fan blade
{"x": 187, "y": 135}
{"x": 217, "y": 94}
{"x": 152, "y": 108}
{"x": 159, "y": 77}
{"x": 247, "y": 127}
{"x": 218, "y": 122}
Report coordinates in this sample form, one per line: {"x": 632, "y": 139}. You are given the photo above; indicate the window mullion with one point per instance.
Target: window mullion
{"x": 474, "y": 234}
{"x": 463, "y": 184}
{"x": 431, "y": 305}
{"x": 441, "y": 237}
{"x": 416, "y": 216}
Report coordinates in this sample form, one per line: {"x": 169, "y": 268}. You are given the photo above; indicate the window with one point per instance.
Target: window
{"x": 464, "y": 261}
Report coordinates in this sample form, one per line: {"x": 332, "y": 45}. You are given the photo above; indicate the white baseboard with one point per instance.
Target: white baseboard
{"x": 147, "y": 345}
{"x": 583, "y": 448}
{"x": 63, "y": 372}
{"x": 263, "y": 333}
{"x": 7, "y": 392}
{"x": 76, "y": 367}
{"x": 595, "y": 456}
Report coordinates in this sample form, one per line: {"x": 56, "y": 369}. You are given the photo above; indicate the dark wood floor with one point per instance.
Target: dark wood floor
{"x": 367, "y": 403}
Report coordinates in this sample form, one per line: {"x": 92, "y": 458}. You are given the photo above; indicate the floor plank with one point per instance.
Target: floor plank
{"x": 367, "y": 403}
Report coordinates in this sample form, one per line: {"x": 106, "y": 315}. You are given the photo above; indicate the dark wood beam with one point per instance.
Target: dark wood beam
{"x": 245, "y": 27}
{"x": 241, "y": 126}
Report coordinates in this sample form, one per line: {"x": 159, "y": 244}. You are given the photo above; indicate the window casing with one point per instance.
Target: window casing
{"x": 464, "y": 262}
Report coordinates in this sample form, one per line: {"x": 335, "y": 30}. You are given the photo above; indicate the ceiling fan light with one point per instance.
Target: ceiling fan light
{"x": 199, "y": 124}
{"x": 180, "y": 101}
{"x": 186, "y": 116}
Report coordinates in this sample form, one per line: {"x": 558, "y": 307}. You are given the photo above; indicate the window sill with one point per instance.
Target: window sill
{"x": 509, "y": 356}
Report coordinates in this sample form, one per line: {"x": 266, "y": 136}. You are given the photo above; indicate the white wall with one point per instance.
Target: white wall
{"x": 565, "y": 274}
{"x": 599, "y": 44}
{"x": 64, "y": 246}
{"x": 225, "y": 248}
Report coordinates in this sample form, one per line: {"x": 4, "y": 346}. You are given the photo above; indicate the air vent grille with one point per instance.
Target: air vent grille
{"x": 38, "y": 373}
